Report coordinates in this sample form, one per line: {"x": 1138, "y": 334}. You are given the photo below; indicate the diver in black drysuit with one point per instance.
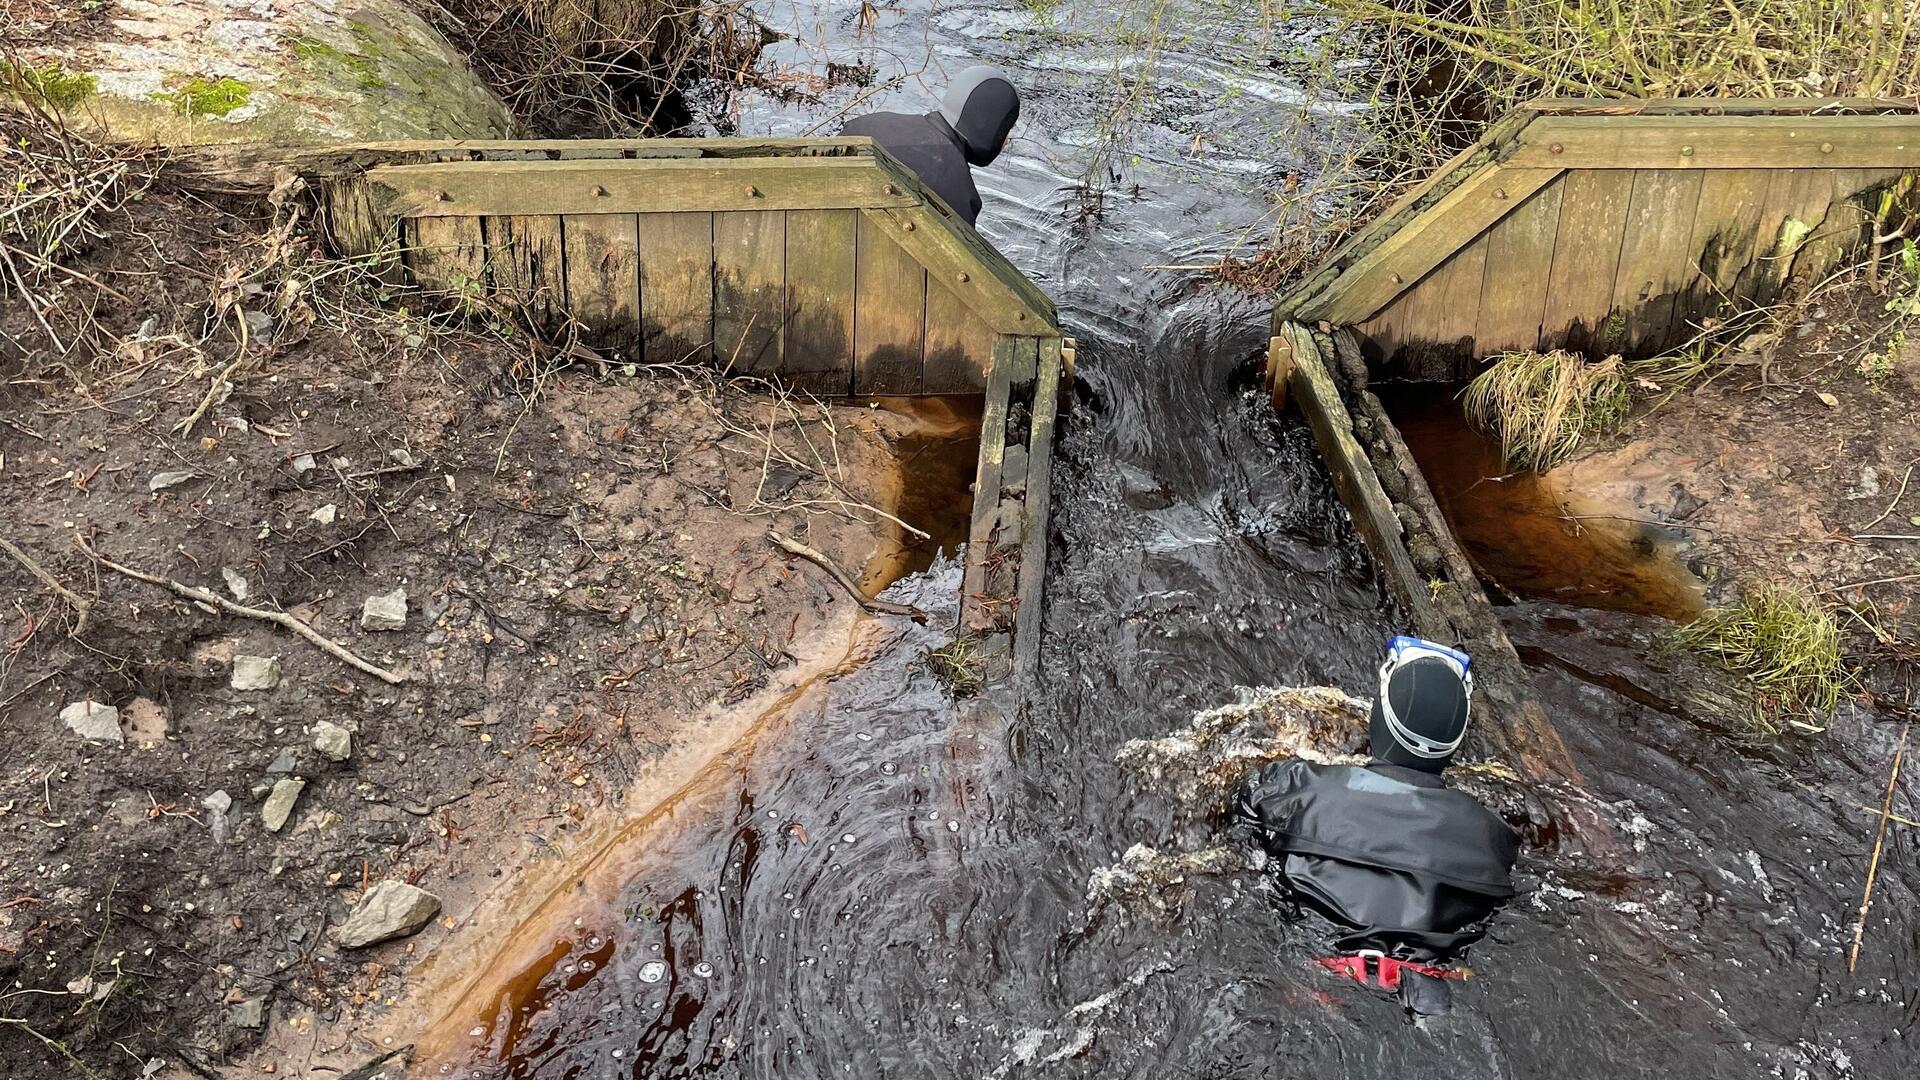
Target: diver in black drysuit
{"x": 970, "y": 128}
{"x": 1406, "y": 864}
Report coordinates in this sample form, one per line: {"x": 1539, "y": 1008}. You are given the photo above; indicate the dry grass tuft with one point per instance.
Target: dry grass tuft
{"x": 1787, "y": 647}
{"x": 1543, "y": 405}
{"x": 960, "y": 665}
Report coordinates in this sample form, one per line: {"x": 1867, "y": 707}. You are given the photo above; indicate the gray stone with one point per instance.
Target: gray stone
{"x": 256, "y": 672}
{"x": 236, "y": 584}
{"x": 304, "y": 464}
{"x": 93, "y": 720}
{"x": 386, "y": 611}
{"x": 174, "y": 478}
{"x": 334, "y": 742}
{"x": 391, "y": 909}
{"x": 250, "y": 1014}
{"x": 284, "y": 763}
{"x": 279, "y": 805}
{"x": 324, "y": 515}
{"x": 219, "y": 802}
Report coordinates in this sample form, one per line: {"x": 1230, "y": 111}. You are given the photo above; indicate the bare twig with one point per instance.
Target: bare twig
{"x": 1879, "y": 842}
{"x": 1897, "y": 496}
{"x": 882, "y": 607}
{"x": 280, "y": 618}
{"x": 82, "y": 607}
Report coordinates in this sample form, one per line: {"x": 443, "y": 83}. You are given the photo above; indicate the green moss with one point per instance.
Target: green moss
{"x": 202, "y": 96}
{"x": 59, "y": 88}
{"x": 360, "y": 67}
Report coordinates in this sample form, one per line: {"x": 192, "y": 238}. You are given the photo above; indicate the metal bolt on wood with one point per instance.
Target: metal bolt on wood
{"x": 1686, "y": 151}
{"x": 964, "y": 278}
{"x": 599, "y": 192}
{"x": 752, "y": 192}
{"x": 1826, "y": 148}
{"x": 441, "y": 196}
{"x": 907, "y": 225}
{"x": 1556, "y": 148}
{"x": 1500, "y": 193}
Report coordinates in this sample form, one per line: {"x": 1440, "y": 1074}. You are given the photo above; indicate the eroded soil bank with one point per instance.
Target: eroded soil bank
{"x": 588, "y": 584}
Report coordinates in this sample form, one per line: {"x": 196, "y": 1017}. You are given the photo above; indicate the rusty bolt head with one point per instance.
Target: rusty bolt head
{"x": 1686, "y": 151}
{"x": 907, "y": 225}
{"x": 964, "y": 278}
{"x": 1555, "y": 148}
{"x": 599, "y": 192}
{"x": 1826, "y": 148}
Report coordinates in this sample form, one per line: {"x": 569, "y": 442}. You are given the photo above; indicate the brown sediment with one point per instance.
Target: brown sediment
{"x": 935, "y": 454}
{"x": 515, "y": 939}
{"x": 1544, "y": 535}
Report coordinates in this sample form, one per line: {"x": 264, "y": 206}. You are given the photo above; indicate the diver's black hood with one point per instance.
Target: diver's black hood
{"x": 981, "y": 106}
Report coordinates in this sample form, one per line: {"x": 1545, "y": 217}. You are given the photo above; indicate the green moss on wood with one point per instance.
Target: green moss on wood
{"x": 51, "y": 83}
{"x": 360, "y": 67}
{"x": 202, "y": 96}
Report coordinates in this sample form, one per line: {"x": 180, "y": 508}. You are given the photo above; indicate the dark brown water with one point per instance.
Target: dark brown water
{"x": 937, "y": 462}
{"x": 873, "y": 882}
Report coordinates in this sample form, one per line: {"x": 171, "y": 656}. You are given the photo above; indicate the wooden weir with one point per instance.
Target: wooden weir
{"x": 822, "y": 262}
{"x": 1597, "y": 226}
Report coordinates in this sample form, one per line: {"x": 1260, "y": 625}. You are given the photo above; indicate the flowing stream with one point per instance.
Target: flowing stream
{"x": 880, "y": 883}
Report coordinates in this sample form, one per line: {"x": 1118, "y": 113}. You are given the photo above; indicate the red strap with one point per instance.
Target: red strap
{"x": 1386, "y": 970}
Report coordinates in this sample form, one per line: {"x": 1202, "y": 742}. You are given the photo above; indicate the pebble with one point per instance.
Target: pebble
{"x": 324, "y": 515}
{"x": 279, "y": 805}
{"x": 391, "y": 909}
{"x": 385, "y": 611}
{"x": 256, "y": 672}
{"x": 163, "y": 480}
{"x": 283, "y": 763}
{"x": 334, "y": 742}
{"x": 93, "y": 720}
{"x": 236, "y": 584}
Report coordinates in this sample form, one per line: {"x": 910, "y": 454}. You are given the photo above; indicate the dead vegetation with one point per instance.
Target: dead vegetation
{"x": 1542, "y": 406}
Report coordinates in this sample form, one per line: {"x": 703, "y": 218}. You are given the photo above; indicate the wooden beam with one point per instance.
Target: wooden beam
{"x": 493, "y": 188}
{"x": 1028, "y": 612}
{"x": 1705, "y": 142}
{"x": 1698, "y": 106}
{"x": 1007, "y": 352}
{"x": 1423, "y": 243}
{"x": 1003, "y": 298}
{"x": 1353, "y": 476}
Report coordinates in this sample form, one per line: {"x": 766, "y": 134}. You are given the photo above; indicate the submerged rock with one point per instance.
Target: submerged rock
{"x": 91, "y": 719}
{"x": 391, "y": 909}
{"x": 210, "y": 71}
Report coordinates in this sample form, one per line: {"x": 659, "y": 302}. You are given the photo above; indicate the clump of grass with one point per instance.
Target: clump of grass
{"x": 960, "y": 664}
{"x": 1542, "y": 406}
{"x": 1785, "y": 645}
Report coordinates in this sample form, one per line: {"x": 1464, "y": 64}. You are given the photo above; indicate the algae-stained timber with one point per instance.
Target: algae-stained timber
{"x": 890, "y": 314}
{"x": 819, "y": 300}
{"x": 749, "y": 288}
{"x": 603, "y": 277}
{"x": 676, "y": 287}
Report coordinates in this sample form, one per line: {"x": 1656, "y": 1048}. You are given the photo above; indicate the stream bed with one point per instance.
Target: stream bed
{"x": 883, "y": 883}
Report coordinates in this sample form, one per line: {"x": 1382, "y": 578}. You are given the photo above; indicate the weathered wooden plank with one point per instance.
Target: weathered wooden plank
{"x": 1843, "y": 230}
{"x": 749, "y": 289}
{"x": 1441, "y": 312}
{"x": 1008, "y": 353}
{"x": 956, "y": 256}
{"x": 1732, "y": 142}
{"x": 889, "y": 313}
{"x": 1513, "y": 299}
{"x": 1593, "y": 216}
{"x": 603, "y": 278}
{"x": 1028, "y": 611}
{"x": 819, "y": 300}
{"x": 1656, "y": 254}
{"x": 528, "y": 265}
{"x": 676, "y": 287}
{"x": 959, "y": 345}
{"x": 1725, "y": 229}
{"x": 1708, "y": 106}
{"x": 1802, "y": 198}
{"x": 363, "y": 226}
{"x": 490, "y": 188}
{"x": 1423, "y": 243}
{"x": 1353, "y": 476}
{"x": 448, "y": 255}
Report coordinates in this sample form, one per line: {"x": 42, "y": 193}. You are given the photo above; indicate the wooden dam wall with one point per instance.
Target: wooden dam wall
{"x": 823, "y": 263}
{"x": 1613, "y": 227}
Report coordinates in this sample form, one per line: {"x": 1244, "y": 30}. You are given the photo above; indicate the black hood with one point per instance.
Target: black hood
{"x": 981, "y": 106}
{"x": 1430, "y": 700}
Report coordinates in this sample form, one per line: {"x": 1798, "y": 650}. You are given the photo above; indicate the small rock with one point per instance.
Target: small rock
{"x": 279, "y": 805}
{"x": 304, "y": 464}
{"x": 145, "y": 721}
{"x": 324, "y": 515}
{"x": 334, "y": 742}
{"x": 250, "y": 1014}
{"x": 284, "y": 763}
{"x": 391, "y": 909}
{"x": 218, "y": 803}
{"x": 93, "y": 720}
{"x": 256, "y": 672}
{"x": 386, "y": 611}
{"x": 236, "y": 584}
{"x": 401, "y": 457}
{"x": 163, "y": 481}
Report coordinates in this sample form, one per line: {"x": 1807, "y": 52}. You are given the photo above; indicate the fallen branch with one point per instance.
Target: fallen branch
{"x": 1879, "y": 842}
{"x": 280, "y": 618}
{"x": 882, "y": 607}
{"x": 82, "y": 607}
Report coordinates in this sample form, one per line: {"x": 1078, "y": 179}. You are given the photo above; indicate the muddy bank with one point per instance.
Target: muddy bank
{"x": 566, "y": 573}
